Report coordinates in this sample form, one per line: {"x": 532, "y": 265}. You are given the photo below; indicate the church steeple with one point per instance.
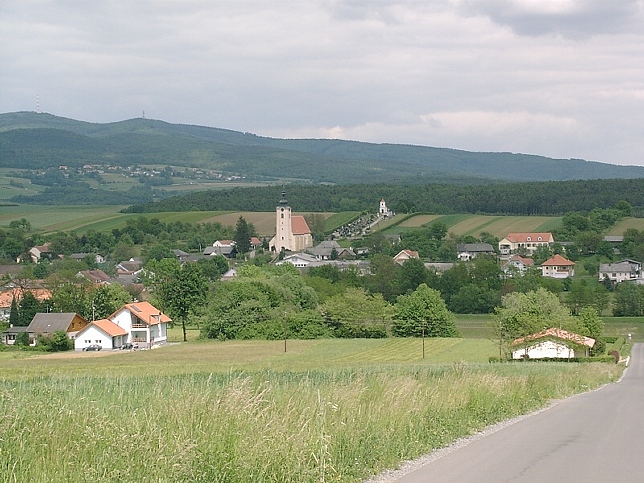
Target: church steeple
{"x": 283, "y": 201}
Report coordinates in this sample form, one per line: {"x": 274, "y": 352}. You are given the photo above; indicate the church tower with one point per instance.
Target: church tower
{"x": 383, "y": 207}
{"x": 283, "y": 227}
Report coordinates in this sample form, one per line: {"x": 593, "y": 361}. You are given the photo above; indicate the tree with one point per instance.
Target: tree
{"x": 423, "y": 311}
{"x": 107, "y": 299}
{"x": 14, "y": 317}
{"x": 355, "y": 313}
{"x": 523, "y": 314}
{"x": 70, "y": 296}
{"x": 213, "y": 267}
{"x": 179, "y": 289}
{"x": 592, "y": 324}
{"x": 28, "y": 307}
{"x": 412, "y": 274}
{"x": 243, "y": 232}
{"x": 384, "y": 277}
{"x": 22, "y": 339}
{"x": 629, "y": 300}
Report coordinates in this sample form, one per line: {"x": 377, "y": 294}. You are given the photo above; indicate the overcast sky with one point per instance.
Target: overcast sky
{"x": 559, "y": 78}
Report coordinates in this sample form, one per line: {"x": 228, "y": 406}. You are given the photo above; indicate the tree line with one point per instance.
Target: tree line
{"x": 538, "y": 198}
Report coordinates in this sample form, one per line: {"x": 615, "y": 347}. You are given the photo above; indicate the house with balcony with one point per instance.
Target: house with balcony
{"x": 558, "y": 267}
{"x": 514, "y": 242}
{"x": 145, "y": 325}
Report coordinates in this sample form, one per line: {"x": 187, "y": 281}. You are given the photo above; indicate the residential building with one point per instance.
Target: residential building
{"x": 104, "y": 333}
{"x": 145, "y": 324}
{"x": 9, "y": 335}
{"x": 558, "y": 267}
{"x": 7, "y": 296}
{"x": 98, "y": 277}
{"x": 96, "y": 257}
{"x": 552, "y": 343}
{"x": 528, "y": 241}
{"x": 469, "y": 251}
{"x": 621, "y": 271}
{"x": 403, "y": 255}
{"x": 48, "y": 323}
{"x": 39, "y": 252}
{"x": 516, "y": 264}
{"x": 325, "y": 251}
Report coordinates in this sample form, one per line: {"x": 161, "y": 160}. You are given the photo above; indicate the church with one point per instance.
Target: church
{"x": 292, "y": 233}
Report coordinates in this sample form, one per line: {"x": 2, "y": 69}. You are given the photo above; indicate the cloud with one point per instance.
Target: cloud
{"x": 563, "y": 78}
{"x": 577, "y": 19}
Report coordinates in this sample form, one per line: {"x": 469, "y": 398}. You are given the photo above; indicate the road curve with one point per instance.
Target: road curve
{"x": 593, "y": 437}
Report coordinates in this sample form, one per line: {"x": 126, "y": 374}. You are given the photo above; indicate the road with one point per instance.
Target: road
{"x": 593, "y": 437}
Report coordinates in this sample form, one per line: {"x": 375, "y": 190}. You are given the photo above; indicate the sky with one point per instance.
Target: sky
{"x": 558, "y": 78}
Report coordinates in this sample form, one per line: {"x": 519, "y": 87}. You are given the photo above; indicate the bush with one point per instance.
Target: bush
{"x": 56, "y": 342}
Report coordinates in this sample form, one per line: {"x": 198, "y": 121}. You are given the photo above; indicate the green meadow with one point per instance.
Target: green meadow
{"x": 240, "y": 411}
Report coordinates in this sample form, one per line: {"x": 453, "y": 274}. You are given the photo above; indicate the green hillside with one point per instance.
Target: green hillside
{"x": 36, "y": 141}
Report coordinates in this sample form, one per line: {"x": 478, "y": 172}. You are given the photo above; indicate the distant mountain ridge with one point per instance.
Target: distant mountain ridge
{"x": 31, "y": 140}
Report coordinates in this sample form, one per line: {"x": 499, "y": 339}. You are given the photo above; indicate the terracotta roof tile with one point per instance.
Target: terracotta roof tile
{"x": 109, "y": 327}
{"x": 557, "y": 261}
{"x": 299, "y": 225}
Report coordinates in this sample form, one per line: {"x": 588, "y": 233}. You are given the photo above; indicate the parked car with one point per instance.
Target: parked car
{"x": 129, "y": 346}
{"x": 93, "y": 347}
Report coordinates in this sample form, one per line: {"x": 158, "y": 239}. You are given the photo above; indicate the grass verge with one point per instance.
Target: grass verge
{"x": 324, "y": 411}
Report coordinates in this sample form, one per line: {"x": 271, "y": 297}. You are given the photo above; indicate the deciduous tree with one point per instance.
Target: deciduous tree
{"x": 423, "y": 311}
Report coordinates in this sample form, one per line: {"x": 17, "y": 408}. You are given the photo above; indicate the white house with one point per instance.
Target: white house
{"x": 558, "y": 267}
{"x": 145, "y": 324}
{"x": 299, "y": 260}
{"x": 552, "y": 343}
{"x": 620, "y": 271}
{"x": 103, "y": 332}
{"x": 517, "y": 264}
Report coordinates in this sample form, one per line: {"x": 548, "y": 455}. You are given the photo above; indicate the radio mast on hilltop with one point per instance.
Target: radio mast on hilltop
{"x": 38, "y": 111}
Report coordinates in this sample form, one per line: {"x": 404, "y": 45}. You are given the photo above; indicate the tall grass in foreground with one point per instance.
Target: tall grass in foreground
{"x": 341, "y": 425}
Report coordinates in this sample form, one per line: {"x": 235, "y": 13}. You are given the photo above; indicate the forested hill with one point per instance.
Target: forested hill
{"x": 547, "y": 198}
{"x": 36, "y": 141}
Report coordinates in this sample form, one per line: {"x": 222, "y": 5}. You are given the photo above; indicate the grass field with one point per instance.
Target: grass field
{"x": 464, "y": 224}
{"x": 240, "y": 411}
{"x": 623, "y": 225}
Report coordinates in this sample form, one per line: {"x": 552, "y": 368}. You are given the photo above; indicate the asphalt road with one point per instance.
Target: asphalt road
{"x": 593, "y": 437}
